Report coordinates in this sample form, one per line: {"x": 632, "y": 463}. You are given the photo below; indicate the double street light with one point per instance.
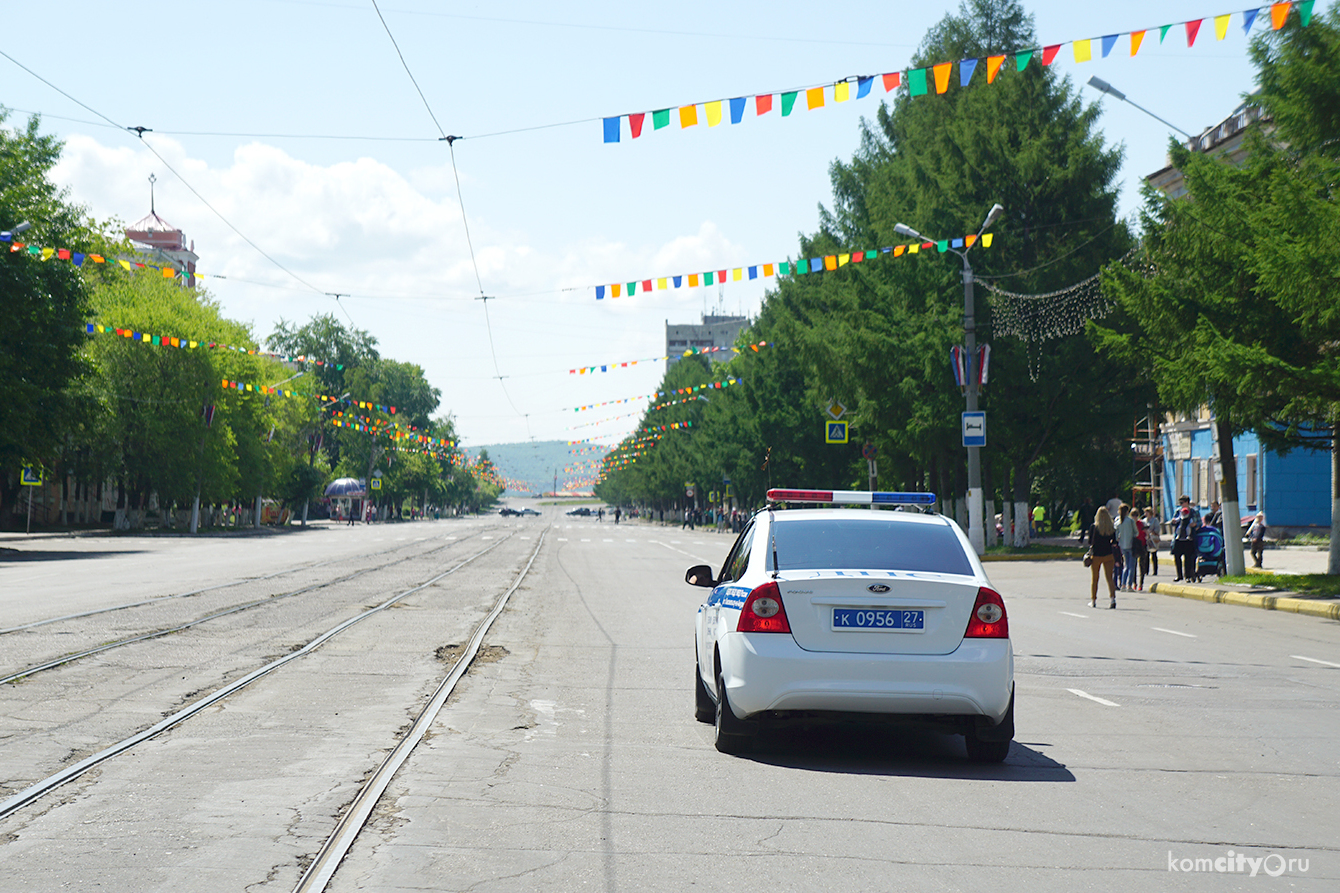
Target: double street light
{"x": 976, "y": 529}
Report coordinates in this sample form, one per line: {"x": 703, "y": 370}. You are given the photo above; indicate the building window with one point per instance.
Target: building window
{"x": 1251, "y": 481}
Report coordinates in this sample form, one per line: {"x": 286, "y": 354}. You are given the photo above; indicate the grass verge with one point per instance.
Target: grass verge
{"x": 1325, "y": 585}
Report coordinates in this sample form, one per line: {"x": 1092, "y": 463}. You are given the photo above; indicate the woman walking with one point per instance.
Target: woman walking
{"x": 1256, "y": 536}
{"x": 1126, "y": 535}
{"x": 1102, "y": 542}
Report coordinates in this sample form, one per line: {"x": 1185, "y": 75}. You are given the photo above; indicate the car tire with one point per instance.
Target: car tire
{"x": 704, "y": 709}
{"x": 980, "y": 751}
{"x": 733, "y": 735}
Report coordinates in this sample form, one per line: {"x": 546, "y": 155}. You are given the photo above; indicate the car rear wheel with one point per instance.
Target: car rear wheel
{"x": 980, "y": 751}
{"x": 703, "y": 708}
{"x": 732, "y": 735}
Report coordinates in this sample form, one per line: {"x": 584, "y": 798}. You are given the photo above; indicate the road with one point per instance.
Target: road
{"x": 1149, "y": 737}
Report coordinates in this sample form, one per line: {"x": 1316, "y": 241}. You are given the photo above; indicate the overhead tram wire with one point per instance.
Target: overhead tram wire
{"x": 460, "y": 197}
{"x": 140, "y": 132}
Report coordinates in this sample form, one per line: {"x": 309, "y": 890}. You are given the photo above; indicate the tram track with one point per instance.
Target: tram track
{"x": 44, "y": 787}
{"x": 242, "y": 581}
{"x": 71, "y": 657}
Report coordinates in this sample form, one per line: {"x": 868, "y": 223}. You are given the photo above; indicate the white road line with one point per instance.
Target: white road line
{"x": 562, "y": 539}
{"x": 1080, "y": 616}
{"x": 630, "y": 541}
{"x": 1085, "y": 694}
{"x": 607, "y": 541}
{"x": 586, "y": 541}
{"x": 1175, "y": 632}
{"x": 1324, "y": 663}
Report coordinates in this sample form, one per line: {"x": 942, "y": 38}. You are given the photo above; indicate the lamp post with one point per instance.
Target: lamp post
{"x": 976, "y": 529}
{"x": 1103, "y": 86}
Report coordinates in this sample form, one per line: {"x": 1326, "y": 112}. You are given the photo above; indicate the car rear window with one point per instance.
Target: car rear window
{"x": 868, "y": 544}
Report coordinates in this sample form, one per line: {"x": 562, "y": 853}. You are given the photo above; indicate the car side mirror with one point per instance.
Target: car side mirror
{"x": 700, "y": 575}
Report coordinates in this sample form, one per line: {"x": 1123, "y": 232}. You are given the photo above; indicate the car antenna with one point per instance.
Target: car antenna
{"x": 772, "y": 533}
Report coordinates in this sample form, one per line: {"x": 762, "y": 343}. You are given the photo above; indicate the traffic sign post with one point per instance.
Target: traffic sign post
{"x": 30, "y": 477}
{"x": 376, "y": 483}
{"x": 835, "y": 432}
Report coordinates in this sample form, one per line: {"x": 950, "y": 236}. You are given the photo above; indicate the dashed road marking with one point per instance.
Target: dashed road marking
{"x": 1080, "y": 616}
{"x": 1174, "y": 632}
{"x": 1313, "y": 660}
{"x": 1084, "y": 694}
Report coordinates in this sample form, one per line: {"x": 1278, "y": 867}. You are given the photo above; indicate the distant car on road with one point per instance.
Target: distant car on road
{"x": 579, "y": 512}
{"x": 528, "y": 511}
{"x": 508, "y": 512}
{"x": 862, "y": 615}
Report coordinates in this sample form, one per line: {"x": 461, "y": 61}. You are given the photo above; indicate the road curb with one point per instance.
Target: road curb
{"x": 1033, "y": 556}
{"x": 1324, "y": 610}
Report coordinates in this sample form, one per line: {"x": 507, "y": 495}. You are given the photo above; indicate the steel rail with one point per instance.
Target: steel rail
{"x": 38, "y": 790}
{"x": 159, "y": 633}
{"x": 241, "y": 582}
{"x": 347, "y": 829}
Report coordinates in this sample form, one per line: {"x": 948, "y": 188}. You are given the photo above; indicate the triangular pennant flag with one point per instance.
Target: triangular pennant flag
{"x": 1049, "y": 53}
{"x": 942, "y": 72}
{"x": 965, "y": 70}
{"x": 1021, "y": 60}
{"x": 713, "y": 112}
{"x": 788, "y": 102}
{"x": 1136, "y": 38}
{"x": 892, "y": 81}
{"x": 635, "y": 123}
{"x": 612, "y": 130}
{"x": 688, "y": 116}
{"x": 1163, "y": 32}
{"x": 814, "y": 98}
{"x": 1248, "y": 19}
{"x": 1279, "y": 14}
{"x": 1108, "y": 43}
{"x": 916, "y": 82}
{"x": 1221, "y": 26}
{"x": 1083, "y": 50}
{"x": 1192, "y": 29}
{"x": 1305, "y": 12}
{"x": 762, "y": 103}
{"x": 993, "y": 64}
{"x": 841, "y": 91}
{"x": 660, "y": 118}
{"x": 737, "y": 110}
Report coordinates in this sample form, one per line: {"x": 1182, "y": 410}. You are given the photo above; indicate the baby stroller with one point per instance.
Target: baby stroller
{"x": 1210, "y": 552}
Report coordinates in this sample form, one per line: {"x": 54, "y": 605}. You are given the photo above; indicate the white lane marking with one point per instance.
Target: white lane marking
{"x": 486, "y": 537}
{"x": 607, "y": 541}
{"x": 586, "y": 541}
{"x": 1085, "y": 694}
{"x": 1174, "y": 632}
{"x": 1080, "y": 616}
{"x": 562, "y": 539}
{"x": 1324, "y": 663}
{"x": 525, "y": 537}
{"x": 630, "y": 541}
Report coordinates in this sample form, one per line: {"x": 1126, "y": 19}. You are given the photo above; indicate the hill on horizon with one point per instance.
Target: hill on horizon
{"x": 537, "y": 462}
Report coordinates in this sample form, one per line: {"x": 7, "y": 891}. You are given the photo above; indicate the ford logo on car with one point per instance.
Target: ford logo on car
{"x": 878, "y": 587}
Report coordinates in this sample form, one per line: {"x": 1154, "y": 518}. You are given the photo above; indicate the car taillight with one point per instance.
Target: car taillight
{"x": 763, "y": 611}
{"x": 988, "y": 620}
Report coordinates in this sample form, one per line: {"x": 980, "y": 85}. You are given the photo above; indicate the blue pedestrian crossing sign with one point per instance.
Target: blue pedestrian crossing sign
{"x": 835, "y": 432}
{"x": 30, "y": 477}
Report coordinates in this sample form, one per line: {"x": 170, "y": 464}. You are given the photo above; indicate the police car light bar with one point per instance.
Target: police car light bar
{"x": 851, "y": 497}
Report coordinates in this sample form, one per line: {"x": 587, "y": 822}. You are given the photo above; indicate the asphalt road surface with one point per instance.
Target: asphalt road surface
{"x": 1166, "y": 745}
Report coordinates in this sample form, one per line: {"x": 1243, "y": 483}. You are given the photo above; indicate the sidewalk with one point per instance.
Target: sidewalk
{"x": 1285, "y": 560}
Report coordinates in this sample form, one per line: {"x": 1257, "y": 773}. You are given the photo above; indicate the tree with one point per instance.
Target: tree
{"x": 46, "y": 306}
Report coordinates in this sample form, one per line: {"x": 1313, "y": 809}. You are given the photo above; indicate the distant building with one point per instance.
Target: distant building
{"x": 1293, "y": 490}
{"x": 713, "y": 331}
{"x": 162, "y": 243}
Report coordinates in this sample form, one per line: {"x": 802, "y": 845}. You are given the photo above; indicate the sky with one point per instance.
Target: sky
{"x": 296, "y": 151}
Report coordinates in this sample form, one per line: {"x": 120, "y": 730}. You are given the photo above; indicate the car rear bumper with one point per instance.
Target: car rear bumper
{"x": 770, "y": 672}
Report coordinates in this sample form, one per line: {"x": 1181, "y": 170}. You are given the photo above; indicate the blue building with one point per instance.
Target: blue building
{"x": 1293, "y": 490}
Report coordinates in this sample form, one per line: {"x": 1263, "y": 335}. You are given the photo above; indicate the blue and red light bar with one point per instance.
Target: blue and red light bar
{"x": 851, "y": 497}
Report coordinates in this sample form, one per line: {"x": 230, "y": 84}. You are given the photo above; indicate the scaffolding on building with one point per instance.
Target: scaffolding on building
{"x": 1147, "y": 459}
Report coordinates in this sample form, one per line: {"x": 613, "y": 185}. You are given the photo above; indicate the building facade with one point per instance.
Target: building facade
{"x": 714, "y": 332}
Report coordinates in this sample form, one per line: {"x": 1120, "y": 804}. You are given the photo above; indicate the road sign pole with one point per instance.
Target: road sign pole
{"x": 976, "y": 530}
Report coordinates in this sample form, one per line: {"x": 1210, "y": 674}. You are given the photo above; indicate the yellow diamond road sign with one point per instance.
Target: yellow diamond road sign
{"x": 835, "y": 410}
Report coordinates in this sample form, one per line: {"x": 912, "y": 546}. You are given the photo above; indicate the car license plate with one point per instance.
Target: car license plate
{"x": 878, "y": 619}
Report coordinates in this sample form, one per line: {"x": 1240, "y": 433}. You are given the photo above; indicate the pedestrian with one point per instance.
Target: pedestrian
{"x": 685, "y": 523}
{"x": 1126, "y": 535}
{"x": 1256, "y": 537}
{"x": 1102, "y": 546}
{"x": 600, "y": 514}
{"x": 1184, "y": 541}
{"x": 1151, "y": 541}
{"x": 618, "y": 512}
{"x": 1216, "y": 517}
{"x": 1039, "y": 517}
{"x": 1085, "y": 512}
{"x": 1141, "y": 569}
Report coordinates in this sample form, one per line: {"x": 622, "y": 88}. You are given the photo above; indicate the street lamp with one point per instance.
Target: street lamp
{"x": 1103, "y": 86}
{"x": 976, "y": 530}
{"x": 21, "y": 228}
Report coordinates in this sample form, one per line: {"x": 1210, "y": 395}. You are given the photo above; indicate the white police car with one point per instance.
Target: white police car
{"x": 859, "y": 614}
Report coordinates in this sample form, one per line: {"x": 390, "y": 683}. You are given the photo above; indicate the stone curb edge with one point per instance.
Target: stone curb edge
{"x": 1034, "y": 556}
{"x": 1325, "y": 610}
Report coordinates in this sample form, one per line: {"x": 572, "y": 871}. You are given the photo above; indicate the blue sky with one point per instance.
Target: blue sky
{"x": 297, "y": 122}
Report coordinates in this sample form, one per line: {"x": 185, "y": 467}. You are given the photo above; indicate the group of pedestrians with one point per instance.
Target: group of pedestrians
{"x": 1121, "y": 550}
